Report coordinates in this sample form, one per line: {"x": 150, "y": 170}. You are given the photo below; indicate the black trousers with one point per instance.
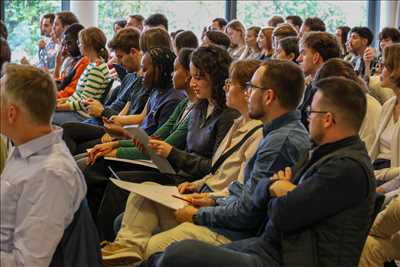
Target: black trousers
{"x": 81, "y": 136}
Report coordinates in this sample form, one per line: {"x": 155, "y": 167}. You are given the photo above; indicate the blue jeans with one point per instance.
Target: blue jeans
{"x": 61, "y": 117}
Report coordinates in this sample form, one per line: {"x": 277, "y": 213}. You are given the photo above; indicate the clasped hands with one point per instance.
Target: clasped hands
{"x": 282, "y": 183}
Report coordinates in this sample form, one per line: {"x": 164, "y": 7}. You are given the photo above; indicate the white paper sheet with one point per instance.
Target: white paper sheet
{"x": 161, "y": 194}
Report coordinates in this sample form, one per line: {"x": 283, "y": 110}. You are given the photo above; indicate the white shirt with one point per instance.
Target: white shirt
{"x": 41, "y": 189}
{"x": 385, "y": 140}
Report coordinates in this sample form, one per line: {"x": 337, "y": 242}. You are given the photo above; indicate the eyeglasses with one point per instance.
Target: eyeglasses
{"x": 309, "y": 111}
{"x": 228, "y": 82}
{"x": 250, "y": 87}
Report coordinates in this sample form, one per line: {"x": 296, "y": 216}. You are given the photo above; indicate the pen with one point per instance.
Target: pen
{"x": 182, "y": 198}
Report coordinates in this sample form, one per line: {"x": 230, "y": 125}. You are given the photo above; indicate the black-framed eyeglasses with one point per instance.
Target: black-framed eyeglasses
{"x": 309, "y": 111}
{"x": 250, "y": 87}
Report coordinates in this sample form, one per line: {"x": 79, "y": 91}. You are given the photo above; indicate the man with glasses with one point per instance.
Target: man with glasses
{"x": 319, "y": 214}
{"x": 274, "y": 93}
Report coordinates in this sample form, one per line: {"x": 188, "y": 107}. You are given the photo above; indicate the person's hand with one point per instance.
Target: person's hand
{"x": 62, "y": 106}
{"x": 160, "y": 147}
{"x": 281, "y": 187}
{"x": 368, "y": 57}
{"x": 114, "y": 75}
{"x": 185, "y": 214}
{"x": 99, "y": 151}
{"x": 106, "y": 138}
{"x": 285, "y": 174}
{"x": 42, "y": 44}
{"x": 117, "y": 119}
{"x": 187, "y": 188}
{"x": 94, "y": 107}
{"x": 115, "y": 130}
{"x": 380, "y": 190}
{"x": 202, "y": 200}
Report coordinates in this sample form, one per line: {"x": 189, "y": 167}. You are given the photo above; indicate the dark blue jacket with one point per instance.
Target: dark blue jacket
{"x": 285, "y": 141}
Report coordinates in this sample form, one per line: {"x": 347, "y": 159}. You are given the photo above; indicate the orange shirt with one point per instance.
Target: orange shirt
{"x": 70, "y": 88}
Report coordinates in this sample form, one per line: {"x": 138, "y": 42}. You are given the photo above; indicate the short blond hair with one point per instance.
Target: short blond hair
{"x": 31, "y": 87}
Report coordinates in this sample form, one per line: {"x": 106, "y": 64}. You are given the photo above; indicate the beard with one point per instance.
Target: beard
{"x": 256, "y": 114}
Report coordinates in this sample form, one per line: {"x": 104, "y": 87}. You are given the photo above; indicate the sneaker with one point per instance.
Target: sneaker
{"x": 115, "y": 254}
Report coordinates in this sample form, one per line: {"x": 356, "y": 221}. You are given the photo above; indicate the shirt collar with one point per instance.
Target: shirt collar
{"x": 27, "y": 149}
{"x": 281, "y": 121}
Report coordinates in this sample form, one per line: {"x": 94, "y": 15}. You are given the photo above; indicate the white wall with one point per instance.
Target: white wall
{"x": 390, "y": 13}
{"x": 86, "y": 11}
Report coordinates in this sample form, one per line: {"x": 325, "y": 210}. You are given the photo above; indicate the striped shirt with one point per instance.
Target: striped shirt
{"x": 92, "y": 84}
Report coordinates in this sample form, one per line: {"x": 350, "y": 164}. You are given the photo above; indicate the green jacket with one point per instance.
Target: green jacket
{"x": 173, "y": 131}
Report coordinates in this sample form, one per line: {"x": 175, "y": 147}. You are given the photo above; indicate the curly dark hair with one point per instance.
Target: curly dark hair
{"x": 163, "y": 62}
{"x": 214, "y": 62}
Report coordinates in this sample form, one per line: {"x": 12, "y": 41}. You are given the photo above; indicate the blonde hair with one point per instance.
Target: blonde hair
{"x": 95, "y": 39}
{"x": 237, "y": 26}
{"x": 31, "y": 87}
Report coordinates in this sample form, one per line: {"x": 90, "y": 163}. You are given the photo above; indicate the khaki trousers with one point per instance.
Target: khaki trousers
{"x": 383, "y": 243}
{"x": 143, "y": 217}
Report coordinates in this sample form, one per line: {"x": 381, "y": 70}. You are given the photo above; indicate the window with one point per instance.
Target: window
{"x": 187, "y": 15}
{"x": 22, "y": 18}
{"x": 333, "y": 13}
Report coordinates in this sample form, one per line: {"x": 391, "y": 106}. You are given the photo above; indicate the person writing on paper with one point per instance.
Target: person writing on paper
{"x": 284, "y": 135}
{"x": 232, "y": 168}
{"x": 93, "y": 81}
{"x": 173, "y": 131}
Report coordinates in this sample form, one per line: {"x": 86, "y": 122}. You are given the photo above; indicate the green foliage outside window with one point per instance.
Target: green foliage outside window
{"x": 22, "y": 18}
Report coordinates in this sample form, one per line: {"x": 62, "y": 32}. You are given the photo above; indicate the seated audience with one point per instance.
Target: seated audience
{"x": 217, "y": 38}
{"x": 385, "y": 151}
{"x": 236, "y": 32}
{"x": 185, "y": 39}
{"x": 342, "y": 68}
{"x": 265, "y": 43}
{"x": 84, "y": 135}
{"x": 387, "y": 37}
{"x": 68, "y": 82}
{"x": 295, "y": 21}
{"x": 119, "y": 25}
{"x": 218, "y": 24}
{"x": 274, "y": 21}
{"x": 156, "y": 20}
{"x": 287, "y": 49}
{"x": 231, "y": 155}
{"x": 383, "y": 243}
{"x": 312, "y": 24}
{"x": 136, "y": 21}
{"x": 359, "y": 41}
{"x": 282, "y": 31}
{"x": 233, "y": 217}
{"x": 252, "y": 50}
{"x": 342, "y": 33}
{"x": 92, "y": 82}
{"x": 308, "y": 224}
{"x": 41, "y": 185}
{"x": 315, "y": 49}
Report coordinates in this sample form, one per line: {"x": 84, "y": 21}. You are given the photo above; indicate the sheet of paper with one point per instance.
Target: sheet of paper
{"x": 161, "y": 194}
{"x": 163, "y": 165}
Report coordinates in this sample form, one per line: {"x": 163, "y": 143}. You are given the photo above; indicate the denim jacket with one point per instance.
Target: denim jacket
{"x": 285, "y": 141}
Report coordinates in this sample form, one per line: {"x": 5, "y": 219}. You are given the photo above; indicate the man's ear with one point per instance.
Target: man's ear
{"x": 291, "y": 57}
{"x": 329, "y": 120}
{"x": 12, "y": 114}
{"x": 316, "y": 58}
{"x": 268, "y": 96}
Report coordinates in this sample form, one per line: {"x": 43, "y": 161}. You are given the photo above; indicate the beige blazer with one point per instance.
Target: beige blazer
{"x": 394, "y": 170}
{"x": 233, "y": 167}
